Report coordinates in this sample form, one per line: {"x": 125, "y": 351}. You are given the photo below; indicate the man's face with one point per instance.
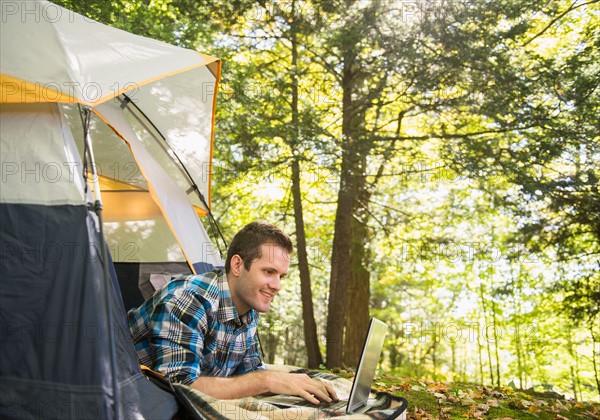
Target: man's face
{"x": 257, "y": 287}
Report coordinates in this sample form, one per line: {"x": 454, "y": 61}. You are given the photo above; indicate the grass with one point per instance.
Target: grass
{"x": 451, "y": 400}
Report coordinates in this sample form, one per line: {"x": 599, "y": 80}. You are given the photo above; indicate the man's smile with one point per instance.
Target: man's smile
{"x": 268, "y": 295}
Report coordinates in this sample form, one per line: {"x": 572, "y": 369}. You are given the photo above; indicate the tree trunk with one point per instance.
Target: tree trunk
{"x": 340, "y": 270}
{"x": 486, "y": 338}
{"x": 519, "y": 356}
{"x": 595, "y": 356}
{"x": 341, "y": 261}
{"x": 308, "y": 316}
{"x": 434, "y": 355}
{"x": 496, "y": 344}
{"x": 453, "y": 369}
{"x": 480, "y": 351}
{"x": 357, "y": 319}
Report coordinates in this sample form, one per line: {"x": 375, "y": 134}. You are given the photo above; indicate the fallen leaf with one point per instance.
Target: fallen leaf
{"x": 483, "y": 408}
{"x": 439, "y": 396}
{"x": 419, "y": 414}
{"x": 519, "y": 404}
{"x": 394, "y": 388}
{"x": 452, "y": 399}
{"x": 474, "y": 394}
{"x": 467, "y": 401}
{"x": 405, "y": 386}
{"x": 438, "y": 387}
{"x": 492, "y": 403}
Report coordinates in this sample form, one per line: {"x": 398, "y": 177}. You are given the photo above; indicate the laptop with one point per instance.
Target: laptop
{"x": 358, "y": 400}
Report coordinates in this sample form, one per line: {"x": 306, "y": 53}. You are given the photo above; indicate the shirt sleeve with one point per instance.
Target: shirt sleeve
{"x": 178, "y": 326}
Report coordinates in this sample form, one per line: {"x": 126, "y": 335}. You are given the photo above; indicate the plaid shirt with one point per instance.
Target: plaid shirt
{"x": 190, "y": 328}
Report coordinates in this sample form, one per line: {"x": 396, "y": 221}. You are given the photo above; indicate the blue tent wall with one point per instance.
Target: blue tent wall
{"x": 54, "y": 354}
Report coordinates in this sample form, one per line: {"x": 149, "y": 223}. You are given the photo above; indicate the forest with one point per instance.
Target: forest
{"x": 436, "y": 164}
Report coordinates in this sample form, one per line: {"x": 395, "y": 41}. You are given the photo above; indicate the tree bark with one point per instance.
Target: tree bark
{"x": 496, "y": 344}
{"x": 308, "y": 315}
{"x": 346, "y": 203}
{"x": 340, "y": 270}
{"x": 357, "y": 319}
{"x": 480, "y": 351}
{"x": 595, "y": 356}
{"x": 315, "y": 359}
{"x": 486, "y": 338}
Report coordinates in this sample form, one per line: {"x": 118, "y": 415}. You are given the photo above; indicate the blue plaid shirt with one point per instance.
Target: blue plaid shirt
{"x": 190, "y": 328}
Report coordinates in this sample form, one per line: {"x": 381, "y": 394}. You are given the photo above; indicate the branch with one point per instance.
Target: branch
{"x": 450, "y": 136}
{"x": 327, "y": 65}
{"x": 559, "y": 17}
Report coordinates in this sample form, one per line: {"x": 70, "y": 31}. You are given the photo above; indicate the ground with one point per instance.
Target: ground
{"x": 448, "y": 400}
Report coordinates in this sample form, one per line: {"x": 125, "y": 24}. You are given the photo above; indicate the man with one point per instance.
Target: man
{"x": 201, "y": 330}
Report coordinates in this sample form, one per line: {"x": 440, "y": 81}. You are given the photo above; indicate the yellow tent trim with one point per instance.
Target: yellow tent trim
{"x": 15, "y": 90}
{"x": 110, "y": 184}
{"x": 218, "y": 63}
{"x": 199, "y": 211}
{"x": 133, "y": 86}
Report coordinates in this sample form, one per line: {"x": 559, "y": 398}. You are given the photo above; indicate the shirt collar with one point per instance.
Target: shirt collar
{"x": 227, "y": 311}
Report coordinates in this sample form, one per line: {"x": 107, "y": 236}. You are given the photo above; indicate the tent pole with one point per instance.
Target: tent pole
{"x": 124, "y": 104}
{"x": 104, "y": 255}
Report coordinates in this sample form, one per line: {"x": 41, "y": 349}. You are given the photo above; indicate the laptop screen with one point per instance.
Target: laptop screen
{"x": 369, "y": 359}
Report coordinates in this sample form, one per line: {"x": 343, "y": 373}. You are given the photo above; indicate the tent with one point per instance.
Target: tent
{"x": 105, "y": 139}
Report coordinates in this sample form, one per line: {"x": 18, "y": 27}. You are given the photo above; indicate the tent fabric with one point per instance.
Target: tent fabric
{"x": 181, "y": 104}
{"x": 54, "y": 358}
{"x": 182, "y": 219}
{"x": 35, "y": 172}
{"x": 84, "y": 61}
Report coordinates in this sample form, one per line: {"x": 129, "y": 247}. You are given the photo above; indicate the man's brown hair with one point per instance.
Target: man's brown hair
{"x": 248, "y": 241}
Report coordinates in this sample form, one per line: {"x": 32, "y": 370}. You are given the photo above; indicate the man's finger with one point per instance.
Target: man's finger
{"x": 309, "y": 397}
{"x": 319, "y": 390}
{"x": 331, "y": 391}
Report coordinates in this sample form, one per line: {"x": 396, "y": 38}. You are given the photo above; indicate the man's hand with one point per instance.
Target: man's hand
{"x": 263, "y": 381}
{"x": 312, "y": 390}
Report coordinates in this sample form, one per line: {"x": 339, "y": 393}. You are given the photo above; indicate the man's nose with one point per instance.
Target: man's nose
{"x": 276, "y": 283}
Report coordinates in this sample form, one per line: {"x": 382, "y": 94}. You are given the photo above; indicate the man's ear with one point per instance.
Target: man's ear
{"x": 236, "y": 264}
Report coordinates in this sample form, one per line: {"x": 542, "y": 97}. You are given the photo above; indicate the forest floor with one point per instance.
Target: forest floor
{"x": 451, "y": 400}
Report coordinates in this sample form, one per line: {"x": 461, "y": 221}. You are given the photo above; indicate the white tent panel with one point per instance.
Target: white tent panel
{"x": 82, "y": 59}
{"x": 182, "y": 111}
{"x": 182, "y": 219}
{"x": 142, "y": 241}
{"x": 40, "y": 162}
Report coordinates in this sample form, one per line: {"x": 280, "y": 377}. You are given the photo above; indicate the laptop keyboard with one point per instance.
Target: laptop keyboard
{"x": 336, "y": 406}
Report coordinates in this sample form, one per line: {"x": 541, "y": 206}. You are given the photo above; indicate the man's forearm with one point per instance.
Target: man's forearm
{"x": 232, "y": 387}
{"x": 262, "y": 381}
